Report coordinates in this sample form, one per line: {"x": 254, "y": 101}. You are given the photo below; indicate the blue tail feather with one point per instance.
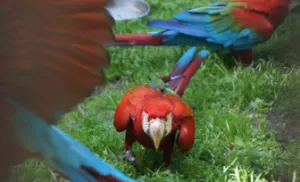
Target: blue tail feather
{"x": 203, "y": 53}
{"x": 185, "y": 68}
{"x": 184, "y": 61}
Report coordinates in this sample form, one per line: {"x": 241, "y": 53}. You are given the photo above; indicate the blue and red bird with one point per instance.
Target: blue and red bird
{"x": 51, "y": 58}
{"x": 234, "y": 25}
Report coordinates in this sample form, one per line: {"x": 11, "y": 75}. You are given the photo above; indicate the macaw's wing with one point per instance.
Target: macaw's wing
{"x": 184, "y": 117}
{"x": 50, "y": 59}
{"x": 186, "y": 137}
{"x": 52, "y": 54}
{"x": 60, "y": 151}
{"x": 231, "y": 25}
{"x": 123, "y": 113}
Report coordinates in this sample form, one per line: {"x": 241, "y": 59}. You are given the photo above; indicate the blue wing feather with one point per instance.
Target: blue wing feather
{"x": 188, "y": 17}
{"x": 206, "y": 26}
{"x": 188, "y": 29}
{"x": 60, "y": 151}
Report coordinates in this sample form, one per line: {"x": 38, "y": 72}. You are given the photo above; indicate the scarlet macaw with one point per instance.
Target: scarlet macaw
{"x": 152, "y": 116}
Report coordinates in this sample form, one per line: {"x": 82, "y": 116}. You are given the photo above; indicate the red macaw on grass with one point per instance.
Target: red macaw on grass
{"x": 152, "y": 116}
{"x": 51, "y": 58}
{"x": 234, "y": 25}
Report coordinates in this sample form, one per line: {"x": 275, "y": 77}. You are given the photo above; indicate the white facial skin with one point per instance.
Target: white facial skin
{"x": 157, "y": 128}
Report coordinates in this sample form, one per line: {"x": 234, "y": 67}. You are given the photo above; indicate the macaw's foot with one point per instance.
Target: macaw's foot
{"x": 129, "y": 156}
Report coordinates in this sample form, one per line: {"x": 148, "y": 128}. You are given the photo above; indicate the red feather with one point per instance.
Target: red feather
{"x": 138, "y": 39}
{"x": 253, "y": 20}
{"x": 262, "y": 16}
{"x": 143, "y": 98}
{"x": 52, "y": 57}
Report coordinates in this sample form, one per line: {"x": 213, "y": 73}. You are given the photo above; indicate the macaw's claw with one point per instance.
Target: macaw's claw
{"x": 129, "y": 156}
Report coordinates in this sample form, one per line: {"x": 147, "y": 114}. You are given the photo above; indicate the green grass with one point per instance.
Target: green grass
{"x": 234, "y": 141}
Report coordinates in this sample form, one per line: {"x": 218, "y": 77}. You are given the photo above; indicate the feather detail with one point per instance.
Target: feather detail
{"x": 226, "y": 24}
{"x": 58, "y": 150}
{"x": 184, "y": 69}
{"x": 53, "y": 56}
{"x": 178, "y": 27}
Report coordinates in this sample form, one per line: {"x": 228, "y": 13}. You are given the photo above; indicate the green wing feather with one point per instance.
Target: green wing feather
{"x": 223, "y": 28}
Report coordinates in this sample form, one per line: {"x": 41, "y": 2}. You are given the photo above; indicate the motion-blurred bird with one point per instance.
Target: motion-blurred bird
{"x": 51, "y": 58}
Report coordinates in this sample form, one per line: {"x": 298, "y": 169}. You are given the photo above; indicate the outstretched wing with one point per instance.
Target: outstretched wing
{"x": 52, "y": 54}
{"x": 50, "y": 59}
{"x": 60, "y": 151}
{"x": 229, "y": 25}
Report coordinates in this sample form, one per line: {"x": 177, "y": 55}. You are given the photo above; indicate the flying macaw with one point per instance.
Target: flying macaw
{"x": 152, "y": 116}
{"x": 233, "y": 25}
{"x": 51, "y": 55}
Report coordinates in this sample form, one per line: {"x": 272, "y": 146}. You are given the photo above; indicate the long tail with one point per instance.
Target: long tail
{"x": 184, "y": 69}
{"x": 138, "y": 40}
{"x": 162, "y": 38}
{"x": 60, "y": 151}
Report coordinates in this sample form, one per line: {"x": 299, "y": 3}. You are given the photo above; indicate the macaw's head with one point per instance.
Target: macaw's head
{"x": 157, "y": 120}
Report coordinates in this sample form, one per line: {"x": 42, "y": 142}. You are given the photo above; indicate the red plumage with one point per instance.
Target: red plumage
{"x": 51, "y": 58}
{"x": 143, "y": 104}
{"x": 262, "y": 16}
{"x": 139, "y": 39}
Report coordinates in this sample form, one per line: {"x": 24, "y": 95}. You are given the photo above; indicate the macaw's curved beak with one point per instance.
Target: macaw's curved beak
{"x": 156, "y": 132}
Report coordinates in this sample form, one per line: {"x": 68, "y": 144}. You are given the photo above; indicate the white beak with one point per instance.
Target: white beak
{"x": 157, "y": 128}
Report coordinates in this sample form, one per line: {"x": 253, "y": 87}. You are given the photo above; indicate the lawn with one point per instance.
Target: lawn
{"x": 235, "y": 140}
